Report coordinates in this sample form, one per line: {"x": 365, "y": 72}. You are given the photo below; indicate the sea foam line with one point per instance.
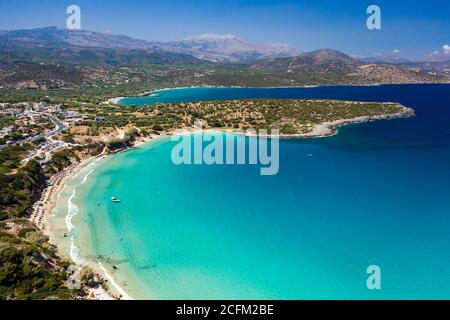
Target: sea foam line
{"x": 72, "y": 211}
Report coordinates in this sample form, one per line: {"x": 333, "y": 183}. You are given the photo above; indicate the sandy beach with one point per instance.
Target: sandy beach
{"x": 43, "y": 210}
{"x": 113, "y": 101}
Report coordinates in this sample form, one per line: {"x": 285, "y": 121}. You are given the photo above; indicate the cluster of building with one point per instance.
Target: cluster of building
{"x": 8, "y": 109}
{"x": 69, "y": 116}
{"x": 26, "y": 114}
{"x": 32, "y": 111}
{"x": 45, "y": 150}
{"x": 28, "y": 117}
{"x": 6, "y": 131}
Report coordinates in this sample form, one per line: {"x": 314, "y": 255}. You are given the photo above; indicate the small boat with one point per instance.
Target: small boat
{"x": 115, "y": 200}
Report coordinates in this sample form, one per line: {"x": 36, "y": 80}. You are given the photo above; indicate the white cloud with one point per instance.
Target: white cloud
{"x": 446, "y": 49}
{"x": 440, "y": 55}
{"x": 396, "y": 51}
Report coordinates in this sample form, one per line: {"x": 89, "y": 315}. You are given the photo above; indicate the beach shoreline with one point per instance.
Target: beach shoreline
{"x": 44, "y": 206}
{"x": 113, "y": 101}
{"x": 43, "y": 211}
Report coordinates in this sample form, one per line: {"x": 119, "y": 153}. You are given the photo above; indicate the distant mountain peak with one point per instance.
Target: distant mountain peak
{"x": 213, "y": 37}
{"x": 325, "y": 64}
{"x": 228, "y": 48}
{"x": 329, "y": 53}
{"x": 310, "y": 62}
{"x": 385, "y": 59}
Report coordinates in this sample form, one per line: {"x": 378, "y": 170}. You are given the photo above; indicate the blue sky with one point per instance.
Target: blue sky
{"x": 415, "y": 28}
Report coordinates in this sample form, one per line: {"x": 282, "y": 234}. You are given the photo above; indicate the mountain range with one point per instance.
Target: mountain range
{"x": 52, "y": 58}
{"x": 327, "y": 64}
{"x": 212, "y": 47}
{"x": 227, "y": 48}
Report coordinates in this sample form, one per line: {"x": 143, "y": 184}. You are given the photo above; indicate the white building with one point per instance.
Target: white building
{"x": 73, "y": 116}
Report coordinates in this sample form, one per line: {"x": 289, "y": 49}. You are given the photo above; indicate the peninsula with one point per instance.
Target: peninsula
{"x": 294, "y": 118}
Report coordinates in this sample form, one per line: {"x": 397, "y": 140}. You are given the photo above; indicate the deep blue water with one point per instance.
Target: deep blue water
{"x": 376, "y": 193}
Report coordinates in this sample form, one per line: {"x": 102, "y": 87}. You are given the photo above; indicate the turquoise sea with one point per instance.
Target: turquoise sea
{"x": 375, "y": 194}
